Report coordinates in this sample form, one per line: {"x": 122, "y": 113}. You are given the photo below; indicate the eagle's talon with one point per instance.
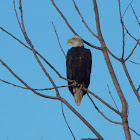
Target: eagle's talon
{"x": 74, "y": 82}
{"x": 81, "y": 86}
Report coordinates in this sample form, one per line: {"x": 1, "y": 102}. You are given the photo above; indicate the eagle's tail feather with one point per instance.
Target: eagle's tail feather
{"x": 78, "y": 94}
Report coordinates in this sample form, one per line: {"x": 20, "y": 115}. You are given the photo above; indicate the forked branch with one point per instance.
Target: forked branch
{"x": 83, "y": 20}
{"x": 25, "y": 84}
{"x": 57, "y": 98}
{"x": 64, "y": 18}
{"x": 33, "y": 50}
{"x": 132, "y": 50}
{"x": 101, "y": 112}
{"x": 135, "y": 14}
{"x": 113, "y": 76}
{"x": 60, "y": 76}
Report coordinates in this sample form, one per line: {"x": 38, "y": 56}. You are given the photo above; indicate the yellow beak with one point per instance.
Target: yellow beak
{"x": 69, "y": 41}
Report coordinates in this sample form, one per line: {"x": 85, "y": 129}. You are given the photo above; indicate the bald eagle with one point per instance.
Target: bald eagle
{"x": 78, "y": 65}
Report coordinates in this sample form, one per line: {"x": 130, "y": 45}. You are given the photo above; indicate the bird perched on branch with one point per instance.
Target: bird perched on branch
{"x": 78, "y": 64}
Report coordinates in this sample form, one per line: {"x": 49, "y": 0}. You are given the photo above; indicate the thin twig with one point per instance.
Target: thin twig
{"x": 90, "y": 139}
{"x": 127, "y": 8}
{"x": 123, "y": 35}
{"x": 138, "y": 88}
{"x": 134, "y": 131}
{"x": 135, "y": 14}
{"x": 102, "y": 101}
{"x": 108, "y": 118}
{"x": 130, "y": 81}
{"x": 33, "y": 88}
{"x": 14, "y": 38}
{"x": 100, "y": 37}
{"x": 101, "y": 112}
{"x": 81, "y": 117}
{"x": 134, "y": 62}
{"x": 130, "y": 34}
{"x": 17, "y": 16}
{"x": 113, "y": 55}
{"x": 112, "y": 97}
{"x": 67, "y": 122}
{"x": 132, "y": 50}
{"x": 123, "y": 40}
{"x": 58, "y": 10}
{"x": 58, "y": 40}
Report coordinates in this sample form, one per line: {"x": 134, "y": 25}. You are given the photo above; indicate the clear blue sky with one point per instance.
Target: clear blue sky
{"x": 26, "y": 116}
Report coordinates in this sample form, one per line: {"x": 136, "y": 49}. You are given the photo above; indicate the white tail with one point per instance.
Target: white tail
{"x": 78, "y": 94}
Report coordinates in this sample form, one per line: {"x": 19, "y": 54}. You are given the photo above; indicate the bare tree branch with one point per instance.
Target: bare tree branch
{"x": 102, "y": 101}
{"x": 135, "y": 14}
{"x": 130, "y": 34}
{"x": 58, "y": 10}
{"x": 105, "y": 51}
{"x": 134, "y": 131}
{"x": 57, "y": 98}
{"x": 58, "y": 40}
{"x": 113, "y": 55}
{"x": 47, "y": 62}
{"x": 138, "y": 88}
{"x": 130, "y": 81}
{"x": 89, "y": 139}
{"x": 33, "y": 50}
{"x": 101, "y": 112}
{"x": 127, "y": 8}
{"x": 81, "y": 117}
{"x": 83, "y": 19}
{"x": 36, "y": 53}
{"x": 33, "y": 88}
{"x": 132, "y": 50}
{"x": 108, "y": 118}
{"x": 67, "y": 122}
{"x": 63, "y": 17}
{"x": 113, "y": 76}
{"x": 134, "y": 62}
{"x": 123, "y": 35}
{"x": 68, "y": 85}
{"x": 14, "y": 37}
{"x": 123, "y": 41}
{"x": 94, "y": 104}
{"x": 17, "y": 16}
{"x": 45, "y": 96}
{"x": 112, "y": 97}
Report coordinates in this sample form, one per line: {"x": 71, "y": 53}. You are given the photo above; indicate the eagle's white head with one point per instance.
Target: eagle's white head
{"x": 76, "y": 41}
